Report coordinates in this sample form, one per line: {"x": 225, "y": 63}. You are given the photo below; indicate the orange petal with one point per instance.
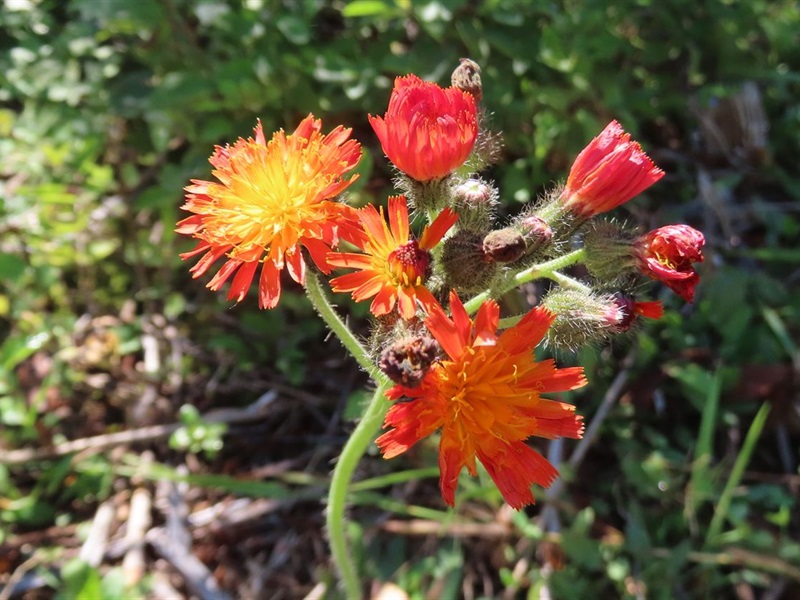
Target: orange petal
{"x": 434, "y": 232}
{"x": 398, "y": 218}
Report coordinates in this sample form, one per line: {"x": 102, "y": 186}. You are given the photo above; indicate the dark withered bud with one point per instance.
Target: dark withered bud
{"x": 407, "y": 361}
{"x": 504, "y": 245}
{"x": 625, "y": 313}
{"x": 464, "y": 263}
{"x": 467, "y": 77}
{"x": 537, "y": 233}
{"x": 629, "y": 310}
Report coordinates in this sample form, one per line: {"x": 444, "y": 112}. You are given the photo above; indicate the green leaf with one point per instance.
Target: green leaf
{"x": 81, "y": 581}
{"x": 369, "y": 8}
{"x": 11, "y": 267}
{"x": 296, "y": 30}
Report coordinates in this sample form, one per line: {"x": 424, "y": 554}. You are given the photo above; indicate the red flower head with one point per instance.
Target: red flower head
{"x": 428, "y": 132}
{"x": 393, "y": 267}
{"x": 611, "y": 170}
{"x": 667, "y": 254}
{"x": 271, "y": 199}
{"x": 486, "y": 399}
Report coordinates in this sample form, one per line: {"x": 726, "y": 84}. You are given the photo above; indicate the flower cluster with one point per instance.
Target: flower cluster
{"x": 474, "y": 383}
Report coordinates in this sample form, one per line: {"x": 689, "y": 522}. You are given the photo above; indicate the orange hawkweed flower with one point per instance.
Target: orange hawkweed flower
{"x": 667, "y": 254}
{"x": 428, "y": 131}
{"x": 485, "y": 397}
{"x": 394, "y": 267}
{"x": 272, "y": 198}
{"x": 611, "y": 170}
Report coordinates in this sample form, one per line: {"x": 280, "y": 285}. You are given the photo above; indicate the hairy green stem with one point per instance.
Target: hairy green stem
{"x": 336, "y": 519}
{"x": 547, "y": 269}
{"x": 356, "y": 445}
{"x": 320, "y": 301}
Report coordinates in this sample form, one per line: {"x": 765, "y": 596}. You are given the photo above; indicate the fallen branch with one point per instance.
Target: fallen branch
{"x": 98, "y": 443}
{"x": 739, "y": 557}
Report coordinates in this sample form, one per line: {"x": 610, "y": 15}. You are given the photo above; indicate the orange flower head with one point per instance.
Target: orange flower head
{"x": 272, "y": 198}
{"x": 394, "y": 266}
{"x": 428, "y": 131}
{"x": 485, "y": 397}
{"x": 667, "y": 254}
{"x": 611, "y": 170}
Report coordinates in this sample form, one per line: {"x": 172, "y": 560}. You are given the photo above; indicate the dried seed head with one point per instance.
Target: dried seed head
{"x": 407, "y": 361}
{"x": 504, "y": 245}
{"x": 467, "y": 77}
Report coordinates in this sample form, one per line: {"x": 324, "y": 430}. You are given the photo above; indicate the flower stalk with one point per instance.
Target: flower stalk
{"x": 336, "y": 518}
{"x": 548, "y": 270}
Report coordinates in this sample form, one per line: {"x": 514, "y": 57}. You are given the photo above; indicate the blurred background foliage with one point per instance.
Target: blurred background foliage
{"x": 109, "y": 107}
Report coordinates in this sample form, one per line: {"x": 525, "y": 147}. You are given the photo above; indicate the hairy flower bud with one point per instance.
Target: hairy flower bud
{"x": 464, "y": 263}
{"x": 587, "y": 317}
{"x": 474, "y": 201}
{"x": 608, "y": 251}
{"x": 581, "y": 318}
{"x": 407, "y": 361}
{"x": 537, "y": 233}
{"x": 504, "y": 245}
{"x": 467, "y": 77}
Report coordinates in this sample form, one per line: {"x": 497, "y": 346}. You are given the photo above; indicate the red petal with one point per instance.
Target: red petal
{"x": 269, "y": 285}
{"x": 514, "y": 468}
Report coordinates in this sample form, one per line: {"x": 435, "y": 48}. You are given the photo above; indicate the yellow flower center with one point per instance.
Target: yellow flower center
{"x": 270, "y": 196}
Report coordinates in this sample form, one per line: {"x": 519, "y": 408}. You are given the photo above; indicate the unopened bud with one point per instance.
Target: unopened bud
{"x": 474, "y": 201}
{"x": 407, "y": 361}
{"x": 504, "y": 245}
{"x": 581, "y": 318}
{"x": 537, "y": 233}
{"x": 465, "y": 266}
{"x": 467, "y": 77}
{"x": 608, "y": 248}
{"x": 475, "y": 193}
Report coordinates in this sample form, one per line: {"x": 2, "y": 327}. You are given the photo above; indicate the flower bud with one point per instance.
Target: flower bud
{"x": 427, "y": 132}
{"x": 537, "y": 233}
{"x": 581, "y": 318}
{"x": 407, "y": 361}
{"x": 474, "y": 201}
{"x": 504, "y": 245}
{"x": 667, "y": 254}
{"x": 611, "y": 170}
{"x": 464, "y": 263}
{"x": 467, "y": 77}
{"x": 608, "y": 251}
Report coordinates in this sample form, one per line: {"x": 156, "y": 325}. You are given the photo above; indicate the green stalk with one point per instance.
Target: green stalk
{"x": 356, "y": 445}
{"x": 336, "y": 519}
{"x": 739, "y": 465}
{"x": 547, "y": 269}
{"x": 320, "y": 301}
